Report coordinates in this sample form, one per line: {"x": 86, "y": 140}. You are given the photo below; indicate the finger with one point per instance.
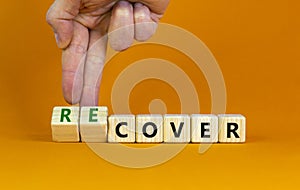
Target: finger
{"x": 94, "y": 64}
{"x": 144, "y": 26}
{"x": 158, "y": 7}
{"x": 121, "y": 30}
{"x": 60, "y": 16}
{"x": 73, "y": 59}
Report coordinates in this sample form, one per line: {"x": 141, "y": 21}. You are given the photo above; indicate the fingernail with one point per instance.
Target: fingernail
{"x": 137, "y": 5}
{"x": 57, "y": 39}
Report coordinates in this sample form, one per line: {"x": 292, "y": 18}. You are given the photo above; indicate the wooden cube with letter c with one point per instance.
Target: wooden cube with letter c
{"x": 121, "y": 129}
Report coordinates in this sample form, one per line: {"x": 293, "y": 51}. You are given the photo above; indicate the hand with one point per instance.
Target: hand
{"x": 79, "y": 24}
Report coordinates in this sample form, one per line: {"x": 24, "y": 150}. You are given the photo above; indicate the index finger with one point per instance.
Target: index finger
{"x": 73, "y": 60}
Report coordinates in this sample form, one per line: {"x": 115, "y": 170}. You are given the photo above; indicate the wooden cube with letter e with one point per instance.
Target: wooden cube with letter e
{"x": 204, "y": 128}
{"x": 93, "y": 124}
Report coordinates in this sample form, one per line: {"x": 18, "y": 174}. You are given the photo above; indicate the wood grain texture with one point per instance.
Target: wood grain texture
{"x": 227, "y": 125}
{"x": 204, "y": 128}
{"x": 93, "y": 124}
{"x": 64, "y": 124}
{"x": 121, "y": 128}
{"x": 177, "y": 128}
{"x": 145, "y": 125}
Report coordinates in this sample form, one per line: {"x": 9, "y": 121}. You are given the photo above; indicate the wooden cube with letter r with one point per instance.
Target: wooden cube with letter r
{"x": 232, "y": 128}
{"x": 64, "y": 124}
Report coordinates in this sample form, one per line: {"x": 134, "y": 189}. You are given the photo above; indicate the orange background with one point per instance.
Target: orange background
{"x": 256, "y": 44}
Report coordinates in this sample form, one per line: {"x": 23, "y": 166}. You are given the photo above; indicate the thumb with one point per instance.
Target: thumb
{"x": 60, "y": 17}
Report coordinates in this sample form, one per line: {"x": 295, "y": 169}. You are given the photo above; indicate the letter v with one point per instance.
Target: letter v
{"x": 177, "y": 134}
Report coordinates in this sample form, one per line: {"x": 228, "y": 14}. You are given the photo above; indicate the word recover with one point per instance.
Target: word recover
{"x": 92, "y": 124}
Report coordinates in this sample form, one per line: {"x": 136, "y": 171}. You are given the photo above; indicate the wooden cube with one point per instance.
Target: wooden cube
{"x": 177, "y": 128}
{"x": 64, "y": 124}
{"x": 93, "y": 124}
{"x": 204, "y": 128}
{"x": 149, "y": 128}
{"x": 232, "y": 128}
{"x": 121, "y": 128}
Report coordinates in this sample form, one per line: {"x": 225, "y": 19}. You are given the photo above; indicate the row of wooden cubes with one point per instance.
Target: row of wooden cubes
{"x": 92, "y": 124}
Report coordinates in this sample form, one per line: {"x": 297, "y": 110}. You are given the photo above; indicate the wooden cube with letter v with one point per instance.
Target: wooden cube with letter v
{"x": 177, "y": 128}
{"x": 232, "y": 128}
